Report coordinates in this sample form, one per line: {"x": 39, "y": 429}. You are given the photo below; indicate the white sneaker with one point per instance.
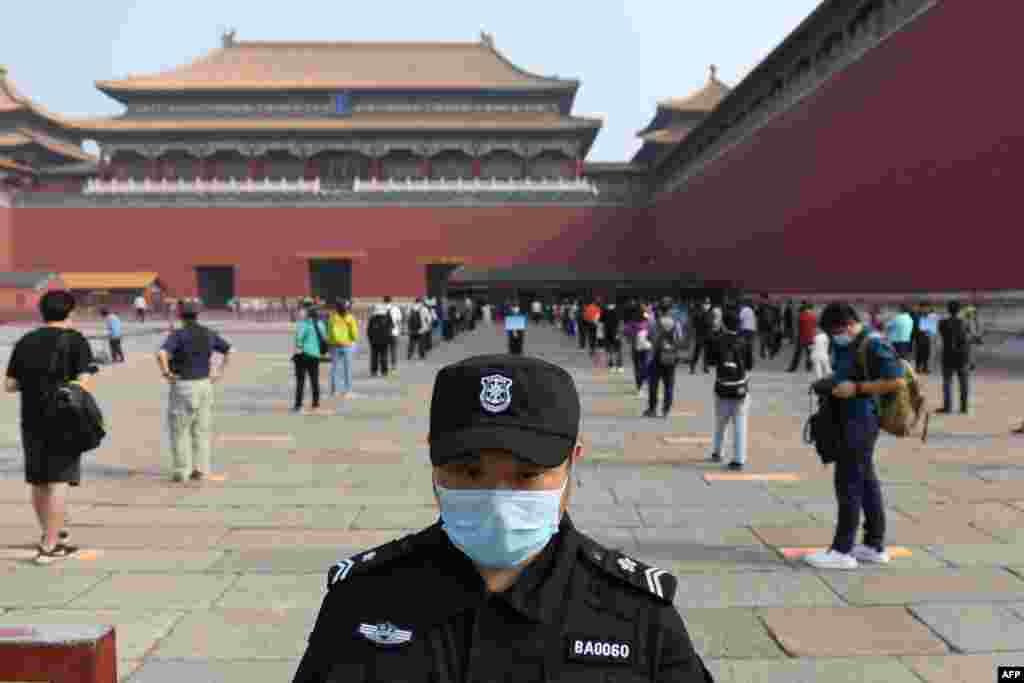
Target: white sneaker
{"x": 830, "y": 559}
{"x": 641, "y": 394}
{"x": 865, "y": 553}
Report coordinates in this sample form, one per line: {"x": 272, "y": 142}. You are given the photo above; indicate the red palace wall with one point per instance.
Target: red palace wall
{"x": 6, "y": 231}
{"x": 903, "y": 173}
{"x": 265, "y": 244}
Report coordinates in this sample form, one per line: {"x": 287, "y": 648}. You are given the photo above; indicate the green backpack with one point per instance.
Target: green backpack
{"x": 899, "y": 412}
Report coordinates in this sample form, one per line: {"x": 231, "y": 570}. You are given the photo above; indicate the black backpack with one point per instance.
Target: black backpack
{"x": 731, "y": 379}
{"x": 667, "y": 351}
{"x": 824, "y": 427}
{"x": 958, "y": 340}
{"x": 415, "y": 321}
{"x": 74, "y": 418}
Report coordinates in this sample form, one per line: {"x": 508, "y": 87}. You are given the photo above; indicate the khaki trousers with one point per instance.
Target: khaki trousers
{"x": 190, "y": 418}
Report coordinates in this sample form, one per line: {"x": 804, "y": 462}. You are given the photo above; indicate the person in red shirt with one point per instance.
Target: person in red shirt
{"x": 808, "y": 327}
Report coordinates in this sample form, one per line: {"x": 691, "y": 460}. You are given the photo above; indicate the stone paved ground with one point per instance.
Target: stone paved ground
{"x": 222, "y": 582}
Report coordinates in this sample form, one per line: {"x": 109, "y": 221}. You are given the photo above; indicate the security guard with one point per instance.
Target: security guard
{"x": 503, "y": 587}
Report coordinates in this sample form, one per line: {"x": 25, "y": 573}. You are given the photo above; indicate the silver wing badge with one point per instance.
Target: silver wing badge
{"x": 385, "y": 634}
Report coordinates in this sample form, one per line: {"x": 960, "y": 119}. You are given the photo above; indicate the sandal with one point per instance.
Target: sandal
{"x": 58, "y": 552}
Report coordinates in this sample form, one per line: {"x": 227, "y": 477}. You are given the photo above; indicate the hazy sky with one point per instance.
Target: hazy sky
{"x": 628, "y": 55}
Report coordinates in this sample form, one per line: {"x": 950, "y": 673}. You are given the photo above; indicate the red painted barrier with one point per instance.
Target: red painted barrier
{"x": 58, "y": 654}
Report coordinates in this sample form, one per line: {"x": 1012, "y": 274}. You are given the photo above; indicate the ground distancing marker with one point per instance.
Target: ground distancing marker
{"x": 795, "y": 553}
{"x": 682, "y": 414}
{"x": 88, "y": 555}
{"x": 752, "y": 476}
{"x": 675, "y": 440}
{"x": 218, "y": 477}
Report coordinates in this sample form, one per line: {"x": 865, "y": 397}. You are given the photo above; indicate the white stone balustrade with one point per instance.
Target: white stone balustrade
{"x": 476, "y": 185}
{"x": 182, "y": 186}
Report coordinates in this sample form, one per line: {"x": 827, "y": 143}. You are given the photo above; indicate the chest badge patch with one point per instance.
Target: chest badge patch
{"x": 495, "y": 393}
{"x": 599, "y": 650}
{"x": 627, "y": 564}
{"x": 385, "y": 634}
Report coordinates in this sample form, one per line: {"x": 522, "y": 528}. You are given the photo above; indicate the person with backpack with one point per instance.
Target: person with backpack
{"x": 665, "y": 355}
{"x": 342, "y": 335}
{"x": 310, "y": 349}
{"x": 42, "y": 361}
{"x": 866, "y": 370}
{"x": 418, "y": 324}
{"x": 956, "y": 358}
{"x": 378, "y": 332}
{"x": 732, "y": 390}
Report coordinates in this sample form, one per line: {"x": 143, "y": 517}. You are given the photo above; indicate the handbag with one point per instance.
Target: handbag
{"x": 823, "y": 429}
{"x": 71, "y": 410}
{"x": 320, "y": 337}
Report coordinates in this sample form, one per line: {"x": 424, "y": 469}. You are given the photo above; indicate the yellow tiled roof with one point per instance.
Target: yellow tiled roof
{"x": 356, "y": 123}
{"x": 24, "y": 136}
{"x": 704, "y": 99}
{"x": 342, "y": 65}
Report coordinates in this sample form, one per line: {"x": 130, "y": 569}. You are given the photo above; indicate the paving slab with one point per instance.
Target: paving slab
{"x": 605, "y": 515}
{"x": 739, "y": 633}
{"x": 977, "y": 555}
{"x": 213, "y": 671}
{"x": 974, "y": 627}
{"x": 249, "y": 539}
{"x": 25, "y": 585}
{"x": 755, "y": 589}
{"x": 980, "y": 584}
{"x": 282, "y": 591}
{"x": 852, "y": 670}
{"x": 750, "y": 515}
{"x": 396, "y": 517}
{"x": 961, "y": 668}
{"x": 155, "y": 591}
{"x": 673, "y": 541}
{"x": 850, "y": 632}
{"x": 705, "y": 559}
{"x": 136, "y": 631}
{"x": 186, "y": 537}
{"x": 238, "y": 634}
{"x": 104, "y": 560}
{"x": 284, "y": 560}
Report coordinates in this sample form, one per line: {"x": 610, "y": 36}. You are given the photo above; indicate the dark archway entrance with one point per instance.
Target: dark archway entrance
{"x": 216, "y": 285}
{"x": 330, "y": 279}
{"x": 437, "y": 278}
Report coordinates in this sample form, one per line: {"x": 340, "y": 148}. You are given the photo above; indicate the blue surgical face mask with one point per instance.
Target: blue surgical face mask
{"x": 842, "y": 340}
{"x": 499, "y": 528}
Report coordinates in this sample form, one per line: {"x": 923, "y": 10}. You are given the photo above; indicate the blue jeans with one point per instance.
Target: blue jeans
{"x": 857, "y": 486}
{"x": 728, "y": 410}
{"x": 341, "y": 364}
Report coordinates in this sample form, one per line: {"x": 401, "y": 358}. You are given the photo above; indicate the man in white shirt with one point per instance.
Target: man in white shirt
{"x": 747, "y": 332}
{"x": 537, "y": 309}
{"x": 396, "y": 331}
{"x": 140, "y": 308}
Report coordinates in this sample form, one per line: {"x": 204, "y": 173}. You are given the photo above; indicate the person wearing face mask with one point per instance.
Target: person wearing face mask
{"x": 503, "y": 587}
{"x": 856, "y": 481}
{"x": 516, "y": 333}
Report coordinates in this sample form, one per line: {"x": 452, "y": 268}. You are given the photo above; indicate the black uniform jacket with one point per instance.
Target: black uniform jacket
{"x": 416, "y": 610}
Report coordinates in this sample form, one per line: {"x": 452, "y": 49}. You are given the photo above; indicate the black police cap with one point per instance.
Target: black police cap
{"x": 515, "y": 403}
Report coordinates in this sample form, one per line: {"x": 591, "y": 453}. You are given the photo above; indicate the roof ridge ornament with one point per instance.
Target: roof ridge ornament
{"x": 487, "y": 38}
{"x": 714, "y": 72}
{"x": 227, "y": 39}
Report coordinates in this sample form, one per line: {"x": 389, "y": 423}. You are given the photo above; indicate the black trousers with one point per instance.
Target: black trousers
{"x": 963, "y": 378}
{"x": 307, "y": 366}
{"x": 700, "y": 345}
{"x": 667, "y": 376}
{"x": 801, "y": 349}
{"x": 770, "y": 343}
{"x": 418, "y": 343}
{"x": 116, "y": 353}
{"x": 515, "y": 343}
{"x": 581, "y": 332}
{"x": 923, "y": 353}
{"x": 748, "y": 348}
{"x": 379, "y": 359}
{"x": 857, "y": 487}
{"x": 640, "y": 360}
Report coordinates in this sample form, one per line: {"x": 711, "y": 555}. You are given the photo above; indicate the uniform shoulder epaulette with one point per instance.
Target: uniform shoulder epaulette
{"x": 371, "y": 560}
{"x": 656, "y": 582}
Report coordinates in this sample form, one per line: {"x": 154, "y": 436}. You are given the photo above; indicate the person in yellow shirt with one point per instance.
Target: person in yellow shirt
{"x": 342, "y": 335}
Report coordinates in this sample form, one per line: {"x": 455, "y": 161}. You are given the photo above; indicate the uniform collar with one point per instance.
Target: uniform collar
{"x": 454, "y": 585}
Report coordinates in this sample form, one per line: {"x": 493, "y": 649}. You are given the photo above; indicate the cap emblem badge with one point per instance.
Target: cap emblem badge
{"x": 495, "y": 394}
